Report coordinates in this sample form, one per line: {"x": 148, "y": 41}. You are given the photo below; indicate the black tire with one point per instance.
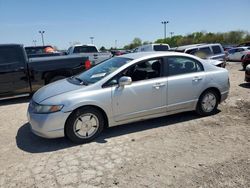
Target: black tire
{"x": 244, "y": 67}
{"x": 201, "y": 109}
{"x": 71, "y": 123}
{"x": 56, "y": 78}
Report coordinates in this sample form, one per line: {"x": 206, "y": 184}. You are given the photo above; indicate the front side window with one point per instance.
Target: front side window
{"x": 183, "y": 65}
{"x": 144, "y": 70}
{"x": 101, "y": 70}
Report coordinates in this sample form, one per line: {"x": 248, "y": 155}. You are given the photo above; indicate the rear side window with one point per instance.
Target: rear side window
{"x": 231, "y": 51}
{"x": 9, "y": 55}
{"x": 192, "y": 51}
{"x": 161, "y": 48}
{"x": 85, "y": 49}
{"x": 216, "y": 50}
{"x": 205, "y": 50}
{"x": 182, "y": 65}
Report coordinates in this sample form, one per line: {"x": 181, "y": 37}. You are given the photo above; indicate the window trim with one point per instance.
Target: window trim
{"x": 163, "y": 64}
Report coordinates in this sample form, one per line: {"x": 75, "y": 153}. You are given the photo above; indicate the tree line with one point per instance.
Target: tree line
{"x": 225, "y": 38}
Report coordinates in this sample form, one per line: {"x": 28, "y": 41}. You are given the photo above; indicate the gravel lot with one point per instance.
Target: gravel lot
{"x": 181, "y": 150}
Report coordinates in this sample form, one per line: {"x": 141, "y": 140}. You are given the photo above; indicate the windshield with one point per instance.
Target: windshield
{"x": 102, "y": 70}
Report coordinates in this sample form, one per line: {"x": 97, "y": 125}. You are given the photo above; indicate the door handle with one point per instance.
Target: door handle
{"x": 197, "y": 78}
{"x": 20, "y": 69}
{"x": 158, "y": 85}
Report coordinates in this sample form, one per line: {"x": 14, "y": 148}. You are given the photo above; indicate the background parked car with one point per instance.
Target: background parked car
{"x": 205, "y": 51}
{"x": 247, "y": 74}
{"x": 152, "y": 48}
{"x": 245, "y": 60}
{"x": 237, "y": 54}
{"x": 21, "y": 76}
{"x": 91, "y": 52}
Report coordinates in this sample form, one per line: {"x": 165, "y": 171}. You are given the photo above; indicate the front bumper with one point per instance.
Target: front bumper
{"x": 48, "y": 125}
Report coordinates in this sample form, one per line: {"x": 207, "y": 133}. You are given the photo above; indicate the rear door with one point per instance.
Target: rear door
{"x": 13, "y": 71}
{"x": 186, "y": 80}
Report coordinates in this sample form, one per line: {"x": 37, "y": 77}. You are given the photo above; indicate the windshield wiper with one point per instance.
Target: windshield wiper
{"x": 82, "y": 82}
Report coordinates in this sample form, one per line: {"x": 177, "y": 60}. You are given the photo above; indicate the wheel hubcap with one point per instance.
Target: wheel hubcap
{"x": 208, "y": 102}
{"x": 86, "y": 125}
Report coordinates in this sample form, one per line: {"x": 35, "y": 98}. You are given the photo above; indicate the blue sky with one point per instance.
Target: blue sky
{"x": 66, "y": 21}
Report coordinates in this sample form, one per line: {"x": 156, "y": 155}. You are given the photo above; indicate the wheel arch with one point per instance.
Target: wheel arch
{"x": 106, "y": 123}
{"x": 216, "y": 90}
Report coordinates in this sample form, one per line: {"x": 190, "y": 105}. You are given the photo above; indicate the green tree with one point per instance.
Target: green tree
{"x": 102, "y": 49}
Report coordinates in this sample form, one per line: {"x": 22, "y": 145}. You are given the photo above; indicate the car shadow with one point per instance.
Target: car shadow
{"x": 31, "y": 143}
{"x": 15, "y": 101}
{"x": 245, "y": 85}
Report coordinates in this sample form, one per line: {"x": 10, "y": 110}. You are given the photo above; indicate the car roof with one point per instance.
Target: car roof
{"x": 182, "y": 48}
{"x": 138, "y": 55}
{"x": 10, "y": 45}
{"x": 76, "y": 45}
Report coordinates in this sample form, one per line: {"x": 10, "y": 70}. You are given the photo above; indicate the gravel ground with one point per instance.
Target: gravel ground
{"x": 182, "y": 150}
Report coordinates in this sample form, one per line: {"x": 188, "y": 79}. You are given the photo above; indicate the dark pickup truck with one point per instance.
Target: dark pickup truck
{"x": 20, "y": 76}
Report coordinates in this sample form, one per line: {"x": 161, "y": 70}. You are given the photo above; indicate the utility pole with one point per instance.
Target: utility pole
{"x": 165, "y": 28}
{"x": 34, "y": 41}
{"x": 92, "y": 40}
{"x": 42, "y": 32}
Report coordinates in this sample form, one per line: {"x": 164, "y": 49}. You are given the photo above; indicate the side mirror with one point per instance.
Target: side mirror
{"x": 125, "y": 80}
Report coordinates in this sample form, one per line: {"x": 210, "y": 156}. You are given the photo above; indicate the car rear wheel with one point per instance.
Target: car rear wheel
{"x": 208, "y": 103}
{"x": 84, "y": 125}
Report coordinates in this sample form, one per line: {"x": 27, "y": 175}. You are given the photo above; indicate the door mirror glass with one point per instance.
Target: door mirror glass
{"x": 125, "y": 80}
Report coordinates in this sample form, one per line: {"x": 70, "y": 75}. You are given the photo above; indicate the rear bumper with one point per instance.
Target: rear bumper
{"x": 247, "y": 77}
{"x": 224, "y": 96}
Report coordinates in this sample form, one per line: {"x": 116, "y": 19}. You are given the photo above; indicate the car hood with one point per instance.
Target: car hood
{"x": 53, "y": 89}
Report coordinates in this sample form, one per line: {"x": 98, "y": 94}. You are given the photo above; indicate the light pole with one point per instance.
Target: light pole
{"x": 34, "y": 41}
{"x": 165, "y": 28}
{"x": 92, "y": 40}
{"x": 115, "y": 44}
{"x": 42, "y": 32}
{"x": 171, "y": 33}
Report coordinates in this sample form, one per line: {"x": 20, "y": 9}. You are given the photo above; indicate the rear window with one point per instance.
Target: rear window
{"x": 216, "y": 49}
{"x": 9, "y": 55}
{"x": 161, "y": 48}
{"x": 85, "y": 49}
{"x": 36, "y": 50}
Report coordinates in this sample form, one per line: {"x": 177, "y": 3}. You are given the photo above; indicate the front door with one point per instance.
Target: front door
{"x": 145, "y": 96}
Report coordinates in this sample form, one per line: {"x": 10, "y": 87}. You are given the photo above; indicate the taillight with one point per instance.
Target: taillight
{"x": 87, "y": 64}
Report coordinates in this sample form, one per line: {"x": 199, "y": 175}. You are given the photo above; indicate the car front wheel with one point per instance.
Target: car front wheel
{"x": 84, "y": 125}
{"x": 208, "y": 103}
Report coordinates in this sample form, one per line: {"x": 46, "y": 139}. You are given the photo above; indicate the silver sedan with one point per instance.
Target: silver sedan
{"x": 126, "y": 89}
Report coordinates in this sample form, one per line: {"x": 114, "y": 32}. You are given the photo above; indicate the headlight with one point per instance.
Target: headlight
{"x": 43, "y": 109}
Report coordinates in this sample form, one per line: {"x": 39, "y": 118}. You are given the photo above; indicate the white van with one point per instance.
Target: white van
{"x": 152, "y": 47}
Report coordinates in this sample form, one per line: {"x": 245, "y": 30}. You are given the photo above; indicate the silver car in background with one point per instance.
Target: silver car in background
{"x": 126, "y": 89}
